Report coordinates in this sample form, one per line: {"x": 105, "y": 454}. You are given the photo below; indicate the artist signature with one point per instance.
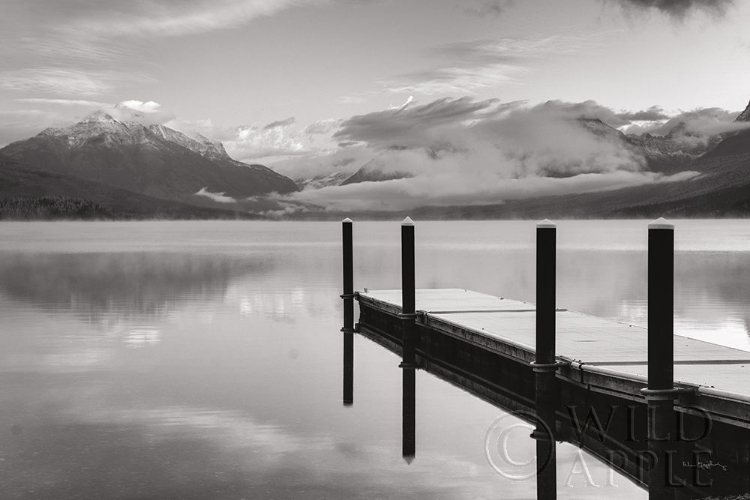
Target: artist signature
{"x": 705, "y": 465}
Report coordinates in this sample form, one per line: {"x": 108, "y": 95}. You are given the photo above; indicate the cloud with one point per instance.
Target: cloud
{"x": 651, "y": 114}
{"x": 405, "y": 194}
{"x": 64, "y": 81}
{"x": 356, "y": 98}
{"x": 78, "y": 48}
{"x": 147, "y": 113}
{"x": 176, "y": 18}
{"x": 472, "y": 65}
{"x": 219, "y": 197}
{"x": 280, "y": 123}
{"x": 593, "y": 110}
{"x": 679, "y": 8}
{"x": 341, "y": 163}
{"x": 507, "y": 50}
{"x": 268, "y": 143}
{"x": 464, "y": 151}
{"x": 455, "y": 80}
{"x": 63, "y": 102}
{"x": 321, "y": 127}
{"x": 143, "y": 107}
{"x": 52, "y": 45}
{"x": 491, "y": 8}
{"x": 251, "y": 143}
{"x": 409, "y": 126}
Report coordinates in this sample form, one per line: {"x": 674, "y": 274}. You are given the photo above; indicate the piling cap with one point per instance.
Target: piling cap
{"x": 346, "y": 221}
{"x": 546, "y": 223}
{"x": 661, "y": 223}
{"x": 407, "y": 222}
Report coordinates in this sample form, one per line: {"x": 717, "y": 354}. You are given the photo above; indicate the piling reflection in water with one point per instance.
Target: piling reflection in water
{"x": 408, "y": 440}
{"x": 546, "y": 456}
{"x": 348, "y": 368}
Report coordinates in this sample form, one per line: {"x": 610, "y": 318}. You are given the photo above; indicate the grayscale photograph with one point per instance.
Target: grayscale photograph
{"x": 374, "y": 249}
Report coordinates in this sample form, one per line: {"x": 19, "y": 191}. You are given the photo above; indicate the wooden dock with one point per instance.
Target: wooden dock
{"x": 486, "y": 345}
{"x": 587, "y": 342}
{"x": 671, "y": 413}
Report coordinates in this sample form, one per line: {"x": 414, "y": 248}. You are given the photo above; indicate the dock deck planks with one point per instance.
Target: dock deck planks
{"x": 586, "y": 339}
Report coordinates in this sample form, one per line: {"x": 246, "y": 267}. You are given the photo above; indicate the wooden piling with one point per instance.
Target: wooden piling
{"x": 660, "y": 305}
{"x": 348, "y": 295}
{"x": 660, "y": 393}
{"x": 408, "y": 289}
{"x": 546, "y": 236}
{"x": 545, "y": 363}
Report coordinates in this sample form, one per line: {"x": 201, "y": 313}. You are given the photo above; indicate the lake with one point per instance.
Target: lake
{"x": 203, "y": 360}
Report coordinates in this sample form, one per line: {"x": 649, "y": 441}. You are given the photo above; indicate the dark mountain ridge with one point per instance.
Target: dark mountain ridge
{"x": 151, "y": 160}
{"x": 26, "y": 187}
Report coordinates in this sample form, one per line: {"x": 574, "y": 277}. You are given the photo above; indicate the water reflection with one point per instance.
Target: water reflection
{"x": 129, "y": 285}
{"x": 203, "y": 360}
{"x": 142, "y": 337}
{"x": 348, "y": 368}
{"x": 408, "y": 415}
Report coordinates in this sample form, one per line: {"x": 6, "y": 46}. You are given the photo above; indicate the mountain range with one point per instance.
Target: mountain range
{"x": 108, "y": 167}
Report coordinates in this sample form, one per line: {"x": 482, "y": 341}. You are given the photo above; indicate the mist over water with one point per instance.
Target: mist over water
{"x": 203, "y": 359}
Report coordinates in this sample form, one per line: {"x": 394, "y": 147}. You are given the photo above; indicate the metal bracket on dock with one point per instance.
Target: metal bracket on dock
{"x": 542, "y": 435}
{"x": 548, "y": 367}
{"x": 348, "y": 295}
{"x": 411, "y": 366}
{"x": 414, "y": 315}
{"x": 666, "y": 394}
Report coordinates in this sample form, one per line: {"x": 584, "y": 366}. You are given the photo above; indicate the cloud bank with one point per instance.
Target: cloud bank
{"x": 467, "y": 152}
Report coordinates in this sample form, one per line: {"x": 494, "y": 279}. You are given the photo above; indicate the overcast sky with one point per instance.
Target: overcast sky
{"x": 253, "y": 62}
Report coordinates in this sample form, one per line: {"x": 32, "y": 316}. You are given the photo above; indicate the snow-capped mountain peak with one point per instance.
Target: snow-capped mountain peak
{"x": 105, "y": 128}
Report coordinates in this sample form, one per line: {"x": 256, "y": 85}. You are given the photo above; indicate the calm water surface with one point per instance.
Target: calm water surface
{"x": 193, "y": 360}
